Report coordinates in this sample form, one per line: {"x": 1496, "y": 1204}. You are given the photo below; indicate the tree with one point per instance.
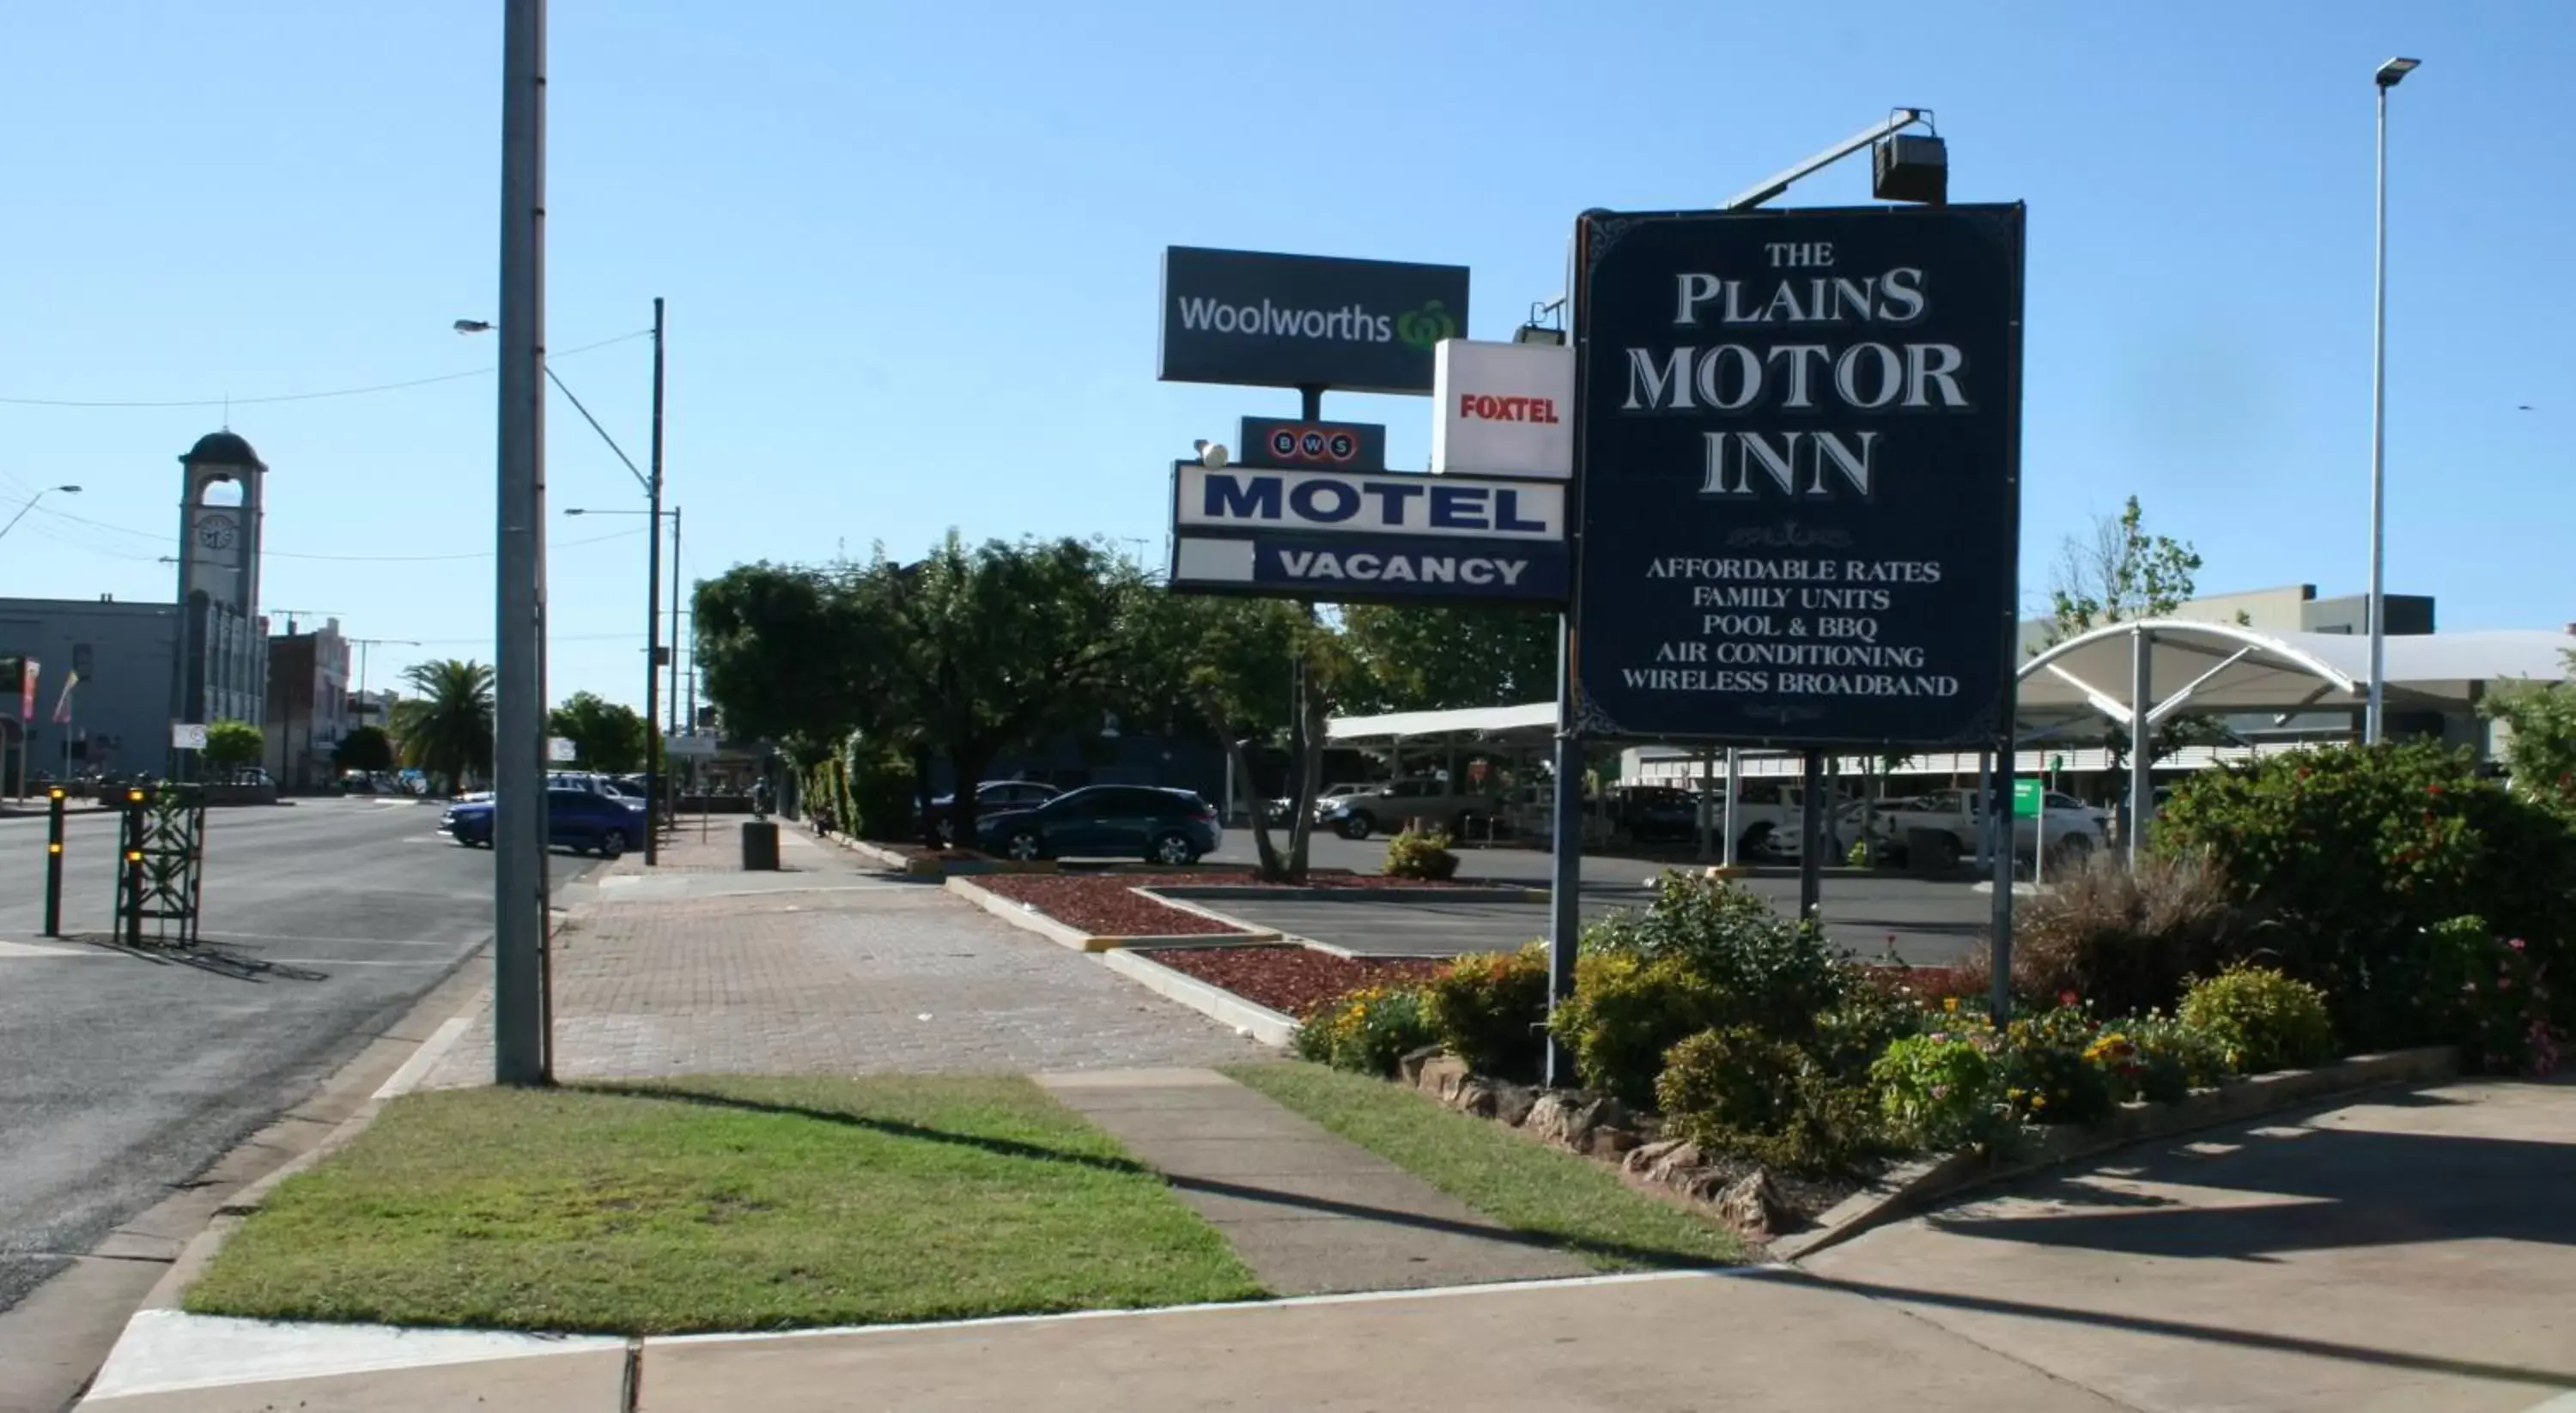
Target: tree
{"x": 1232, "y": 666}
{"x": 446, "y": 725}
{"x": 230, "y": 745}
{"x": 1433, "y": 659}
{"x": 999, "y": 646}
{"x": 609, "y": 736}
{"x": 2119, "y": 574}
{"x": 365, "y": 748}
{"x": 2542, "y": 752}
{"x": 790, "y": 655}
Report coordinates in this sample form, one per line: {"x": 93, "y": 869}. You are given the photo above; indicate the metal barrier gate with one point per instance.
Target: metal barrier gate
{"x": 160, "y": 865}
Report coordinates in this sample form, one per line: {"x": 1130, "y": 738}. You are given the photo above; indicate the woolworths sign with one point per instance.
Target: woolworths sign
{"x": 1239, "y": 316}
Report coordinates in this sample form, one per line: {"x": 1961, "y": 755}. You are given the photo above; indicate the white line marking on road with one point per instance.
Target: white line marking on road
{"x": 342, "y": 962}
{"x": 431, "y": 1051}
{"x": 2563, "y": 1403}
{"x": 344, "y": 941}
{"x": 47, "y": 949}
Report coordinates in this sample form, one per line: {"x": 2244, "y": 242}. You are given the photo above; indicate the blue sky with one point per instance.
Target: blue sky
{"x": 911, "y": 253}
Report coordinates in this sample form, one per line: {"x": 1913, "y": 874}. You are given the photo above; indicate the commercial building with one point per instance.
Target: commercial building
{"x": 142, "y": 667}
{"x": 308, "y": 705}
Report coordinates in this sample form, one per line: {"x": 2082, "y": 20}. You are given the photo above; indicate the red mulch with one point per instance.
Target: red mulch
{"x": 1106, "y": 906}
{"x": 1290, "y": 979}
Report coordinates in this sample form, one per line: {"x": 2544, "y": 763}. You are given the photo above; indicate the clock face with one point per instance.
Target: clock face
{"x": 217, "y": 532}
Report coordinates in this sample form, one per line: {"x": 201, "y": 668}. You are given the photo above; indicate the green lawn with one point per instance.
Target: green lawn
{"x": 720, "y": 1204}
{"x": 1511, "y": 1179}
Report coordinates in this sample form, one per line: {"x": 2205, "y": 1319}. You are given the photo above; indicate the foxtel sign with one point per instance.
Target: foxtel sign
{"x": 1355, "y": 503}
{"x": 1502, "y": 409}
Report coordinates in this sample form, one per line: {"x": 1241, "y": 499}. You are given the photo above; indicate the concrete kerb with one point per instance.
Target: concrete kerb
{"x": 1029, "y": 919}
{"x": 1910, "y": 1186}
{"x": 1275, "y": 1028}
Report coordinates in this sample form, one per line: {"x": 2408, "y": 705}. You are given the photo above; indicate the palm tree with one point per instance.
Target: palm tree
{"x": 446, "y": 729}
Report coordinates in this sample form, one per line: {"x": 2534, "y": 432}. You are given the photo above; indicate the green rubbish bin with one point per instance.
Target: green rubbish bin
{"x": 759, "y": 845}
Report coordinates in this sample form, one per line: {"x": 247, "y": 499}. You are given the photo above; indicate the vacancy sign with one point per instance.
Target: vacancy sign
{"x": 1504, "y": 409}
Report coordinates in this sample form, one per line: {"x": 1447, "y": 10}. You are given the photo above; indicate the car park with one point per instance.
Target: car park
{"x": 583, "y": 821}
{"x": 1107, "y": 821}
{"x": 1397, "y": 803}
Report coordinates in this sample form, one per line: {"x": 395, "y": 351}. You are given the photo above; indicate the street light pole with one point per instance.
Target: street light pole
{"x": 519, "y": 745}
{"x": 2374, "y": 717}
{"x": 654, "y": 788}
{"x": 31, "y": 504}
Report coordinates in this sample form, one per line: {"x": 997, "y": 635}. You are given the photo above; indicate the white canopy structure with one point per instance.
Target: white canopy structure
{"x": 2207, "y": 669}
{"x": 1526, "y": 725}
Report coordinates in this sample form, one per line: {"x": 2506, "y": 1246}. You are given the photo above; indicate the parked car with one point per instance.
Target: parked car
{"x": 576, "y": 819}
{"x": 594, "y": 783}
{"x": 991, "y": 797}
{"x": 1435, "y": 802}
{"x": 1107, "y": 821}
{"x": 1770, "y": 820}
{"x": 2074, "y": 827}
{"x": 1655, "y": 814}
{"x": 1276, "y": 811}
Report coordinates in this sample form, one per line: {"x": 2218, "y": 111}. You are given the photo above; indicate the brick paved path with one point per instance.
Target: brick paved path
{"x": 858, "y": 972}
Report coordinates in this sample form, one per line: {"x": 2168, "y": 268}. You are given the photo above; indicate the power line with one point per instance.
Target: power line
{"x": 160, "y": 540}
{"x": 299, "y": 396}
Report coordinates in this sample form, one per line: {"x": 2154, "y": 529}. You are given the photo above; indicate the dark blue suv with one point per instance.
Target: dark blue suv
{"x": 1107, "y": 821}
{"x": 576, "y": 819}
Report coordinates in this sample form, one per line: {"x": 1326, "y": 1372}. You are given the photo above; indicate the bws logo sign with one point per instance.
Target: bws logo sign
{"x": 1289, "y": 445}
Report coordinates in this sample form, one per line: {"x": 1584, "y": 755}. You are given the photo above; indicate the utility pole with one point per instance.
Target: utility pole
{"x": 519, "y": 745}
{"x": 654, "y": 788}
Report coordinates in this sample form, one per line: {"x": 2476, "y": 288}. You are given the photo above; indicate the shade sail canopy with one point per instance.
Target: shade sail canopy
{"x": 1534, "y": 722}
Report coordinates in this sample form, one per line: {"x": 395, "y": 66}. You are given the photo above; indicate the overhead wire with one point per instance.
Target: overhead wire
{"x": 228, "y": 402}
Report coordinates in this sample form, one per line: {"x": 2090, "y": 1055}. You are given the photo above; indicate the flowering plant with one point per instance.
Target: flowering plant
{"x": 2499, "y": 992}
{"x": 1367, "y": 1030}
{"x": 1942, "y": 1090}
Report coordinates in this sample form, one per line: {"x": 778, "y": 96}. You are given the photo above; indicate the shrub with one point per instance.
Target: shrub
{"x": 1366, "y": 1031}
{"x": 2351, "y": 854}
{"x": 2052, "y": 1070}
{"x": 2261, "y": 1019}
{"x": 2172, "y": 1059}
{"x": 2123, "y": 939}
{"x": 2500, "y": 995}
{"x": 1777, "y": 975}
{"x": 1941, "y": 1090}
{"x": 1739, "y": 1092}
{"x": 1851, "y": 1036}
{"x": 1625, "y": 1013}
{"x": 1411, "y": 855}
{"x": 1489, "y": 1009}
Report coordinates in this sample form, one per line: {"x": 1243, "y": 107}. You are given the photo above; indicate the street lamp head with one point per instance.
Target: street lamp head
{"x": 68, "y": 490}
{"x": 2394, "y": 70}
{"x": 473, "y": 326}
{"x": 573, "y": 510}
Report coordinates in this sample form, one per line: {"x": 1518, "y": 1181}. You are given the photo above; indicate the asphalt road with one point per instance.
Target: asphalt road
{"x": 122, "y": 1077}
{"x": 1925, "y": 922}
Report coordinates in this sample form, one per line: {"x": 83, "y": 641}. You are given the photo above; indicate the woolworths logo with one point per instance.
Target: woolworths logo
{"x": 1426, "y": 326}
{"x": 1352, "y": 323}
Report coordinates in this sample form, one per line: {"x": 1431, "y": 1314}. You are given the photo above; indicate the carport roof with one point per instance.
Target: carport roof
{"x": 2197, "y": 668}
{"x": 1533, "y": 722}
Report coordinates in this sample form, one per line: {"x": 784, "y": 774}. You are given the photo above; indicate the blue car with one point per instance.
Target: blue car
{"x": 576, "y": 819}
{"x": 1107, "y": 821}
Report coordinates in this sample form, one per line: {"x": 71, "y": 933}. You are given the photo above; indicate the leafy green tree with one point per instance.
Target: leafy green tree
{"x": 610, "y": 736}
{"x": 2118, "y": 574}
{"x": 999, "y": 646}
{"x": 1434, "y": 659}
{"x": 445, "y": 726}
{"x": 365, "y": 748}
{"x": 2542, "y": 751}
{"x": 231, "y": 745}
{"x": 1233, "y": 667}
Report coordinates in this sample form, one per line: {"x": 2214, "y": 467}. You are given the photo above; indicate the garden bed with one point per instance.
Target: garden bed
{"x": 1108, "y": 905}
{"x": 1290, "y": 979}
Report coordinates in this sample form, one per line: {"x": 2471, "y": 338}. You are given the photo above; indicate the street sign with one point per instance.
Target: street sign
{"x": 2028, "y": 796}
{"x": 1240, "y": 316}
{"x": 1373, "y": 569}
{"x": 688, "y": 745}
{"x": 1799, "y": 443}
{"x": 187, "y": 736}
{"x": 561, "y": 750}
{"x": 1503, "y": 409}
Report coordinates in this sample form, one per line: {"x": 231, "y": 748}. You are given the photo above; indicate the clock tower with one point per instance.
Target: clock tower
{"x": 219, "y": 536}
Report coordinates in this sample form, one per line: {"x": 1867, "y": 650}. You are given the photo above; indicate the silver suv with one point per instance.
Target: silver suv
{"x": 1435, "y": 802}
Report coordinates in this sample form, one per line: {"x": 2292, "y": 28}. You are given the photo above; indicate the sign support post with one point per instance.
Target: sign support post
{"x": 1811, "y": 837}
{"x": 1565, "y": 858}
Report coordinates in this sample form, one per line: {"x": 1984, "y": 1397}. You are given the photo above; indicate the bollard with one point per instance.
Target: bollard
{"x": 760, "y": 845}
{"x": 135, "y": 828}
{"x": 54, "y": 863}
